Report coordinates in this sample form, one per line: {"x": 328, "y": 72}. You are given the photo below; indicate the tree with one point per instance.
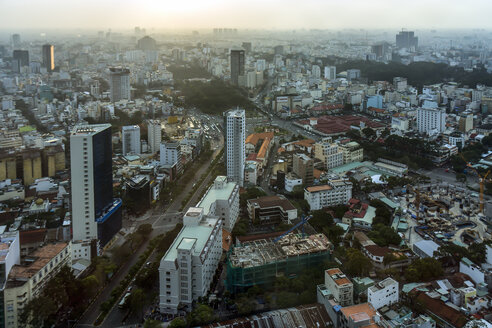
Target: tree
{"x": 384, "y": 235}
{"x": 149, "y": 323}
{"x": 39, "y": 312}
{"x": 357, "y": 264}
{"x": 286, "y": 299}
{"x": 320, "y": 219}
{"x": 424, "y": 270}
{"x": 145, "y": 229}
{"x": 137, "y": 301}
{"x": 369, "y": 133}
{"x": 178, "y": 323}
{"x": 245, "y": 305}
{"x": 201, "y": 315}
{"x": 250, "y": 193}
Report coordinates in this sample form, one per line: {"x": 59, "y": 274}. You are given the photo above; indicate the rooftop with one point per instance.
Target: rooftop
{"x": 200, "y": 234}
{"x": 89, "y": 129}
{"x": 215, "y": 193}
{"x": 42, "y": 257}
{"x": 260, "y": 252}
{"x": 272, "y": 201}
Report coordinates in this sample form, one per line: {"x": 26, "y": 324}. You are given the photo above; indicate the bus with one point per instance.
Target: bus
{"x": 123, "y": 300}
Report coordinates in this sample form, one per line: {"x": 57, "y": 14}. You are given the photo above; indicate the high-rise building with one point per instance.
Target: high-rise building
{"x": 20, "y": 59}
{"x": 407, "y": 39}
{"x": 16, "y": 40}
{"x": 235, "y": 147}
{"x": 278, "y": 50}
{"x": 9, "y": 258}
{"x": 431, "y": 120}
{"x": 316, "y": 71}
{"x": 171, "y": 155}
{"x": 247, "y": 47}
{"x": 49, "y": 57}
{"x": 187, "y": 269}
{"x": 303, "y": 166}
{"x": 330, "y": 72}
{"x": 237, "y": 65}
{"x": 154, "y": 133}
{"x": 380, "y": 49}
{"x": 146, "y": 43}
{"x": 130, "y": 136}
{"x": 119, "y": 82}
{"x": 96, "y": 215}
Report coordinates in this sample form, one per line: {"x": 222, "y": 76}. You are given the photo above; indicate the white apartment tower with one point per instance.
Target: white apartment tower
{"x": 171, "y": 155}
{"x": 154, "y": 133}
{"x": 130, "y": 136}
{"x": 384, "y": 293}
{"x": 188, "y": 267}
{"x": 96, "y": 216}
{"x": 235, "y": 148}
{"x": 330, "y": 72}
{"x": 119, "y": 83}
{"x": 431, "y": 120}
{"x": 335, "y": 192}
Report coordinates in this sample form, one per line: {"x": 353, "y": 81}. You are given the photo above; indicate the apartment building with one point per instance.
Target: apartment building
{"x": 222, "y": 200}
{"x": 329, "y": 153}
{"x": 303, "y": 167}
{"x": 27, "y": 281}
{"x": 383, "y": 293}
{"x": 339, "y": 286}
{"x": 187, "y": 268}
{"x": 271, "y": 209}
{"x": 335, "y": 192}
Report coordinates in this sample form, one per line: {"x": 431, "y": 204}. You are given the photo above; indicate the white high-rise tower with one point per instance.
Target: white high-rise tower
{"x": 235, "y": 152}
{"x": 130, "y": 136}
{"x": 154, "y": 133}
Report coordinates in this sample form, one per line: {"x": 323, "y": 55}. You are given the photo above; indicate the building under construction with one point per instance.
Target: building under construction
{"x": 259, "y": 262}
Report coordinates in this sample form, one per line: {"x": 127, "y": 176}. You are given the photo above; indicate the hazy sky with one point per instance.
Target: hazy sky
{"x": 279, "y": 14}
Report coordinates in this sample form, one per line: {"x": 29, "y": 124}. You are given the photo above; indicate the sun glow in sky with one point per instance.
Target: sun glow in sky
{"x": 285, "y": 14}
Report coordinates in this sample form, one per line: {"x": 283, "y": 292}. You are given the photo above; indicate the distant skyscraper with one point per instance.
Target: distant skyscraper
{"x": 154, "y": 134}
{"x": 235, "y": 148}
{"x": 247, "y": 47}
{"x": 146, "y": 43}
{"x": 330, "y": 72}
{"x": 278, "y": 50}
{"x": 237, "y": 65}
{"x": 406, "y": 39}
{"x": 316, "y": 71}
{"x": 49, "y": 57}
{"x": 20, "y": 59}
{"x": 130, "y": 136}
{"x": 119, "y": 82}
{"x": 16, "y": 40}
{"x": 96, "y": 216}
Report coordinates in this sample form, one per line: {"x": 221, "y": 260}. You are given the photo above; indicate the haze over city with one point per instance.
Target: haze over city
{"x": 253, "y": 14}
{"x": 230, "y": 164}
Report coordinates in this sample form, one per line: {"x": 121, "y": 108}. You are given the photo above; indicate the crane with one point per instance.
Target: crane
{"x": 481, "y": 179}
{"x": 304, "y": 219}
{"x": 419, "y": 196}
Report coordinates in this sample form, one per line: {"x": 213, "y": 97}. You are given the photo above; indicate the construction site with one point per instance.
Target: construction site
{"x": 259, "y": 262}
{"x": 445, "y": 213}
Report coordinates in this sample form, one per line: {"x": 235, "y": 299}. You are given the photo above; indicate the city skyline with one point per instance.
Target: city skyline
{"x": 255, "y": 14}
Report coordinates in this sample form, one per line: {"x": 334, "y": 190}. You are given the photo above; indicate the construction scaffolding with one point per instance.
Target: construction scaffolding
{"x": 259, "y": 262}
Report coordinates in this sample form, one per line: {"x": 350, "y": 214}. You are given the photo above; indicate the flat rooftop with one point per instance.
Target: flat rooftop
{"x": 89, "y": 129}
{"x": 200, "y": 234}
{"x": 42, "y": 257}
{"x": 214, "y": 194}
{"x": 263, "y": 251}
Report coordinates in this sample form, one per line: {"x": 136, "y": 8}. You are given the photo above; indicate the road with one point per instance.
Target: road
{"x": 162, "y": 219}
